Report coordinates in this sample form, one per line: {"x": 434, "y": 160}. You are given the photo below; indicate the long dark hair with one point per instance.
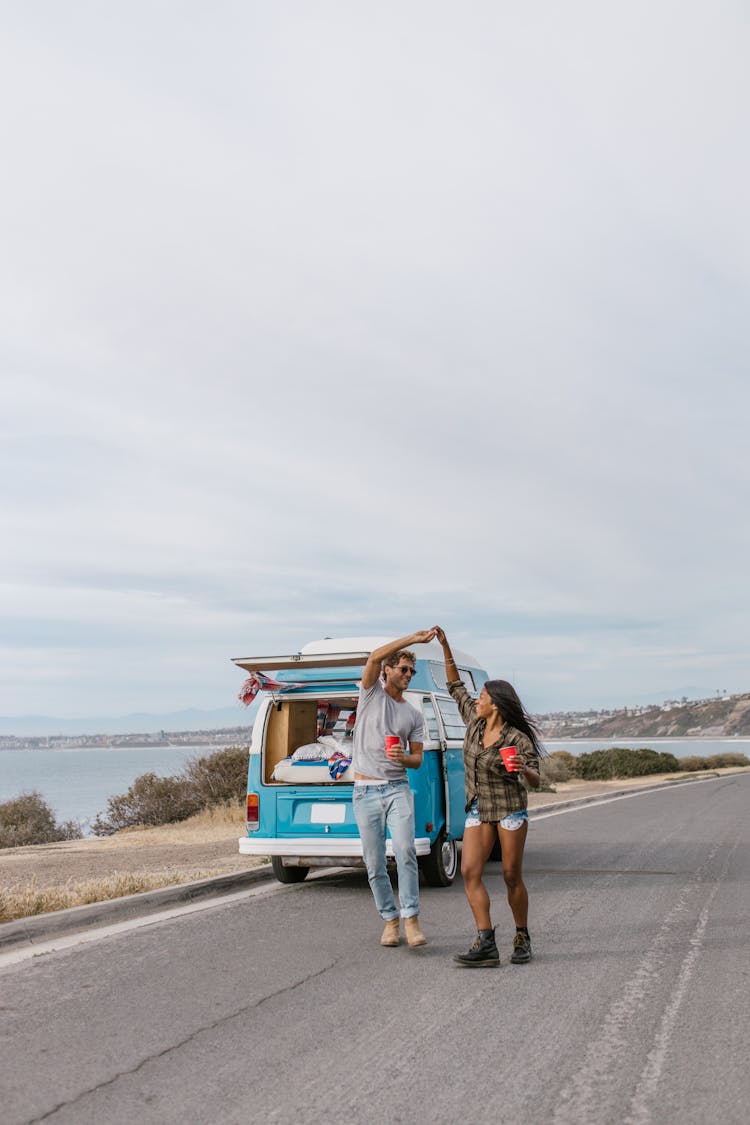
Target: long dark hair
{"x": 505, "y": 698}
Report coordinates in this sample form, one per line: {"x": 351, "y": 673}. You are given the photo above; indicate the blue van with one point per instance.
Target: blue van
{"x": 299, "y": 793}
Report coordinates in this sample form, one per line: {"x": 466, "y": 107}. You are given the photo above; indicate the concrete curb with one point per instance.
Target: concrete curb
{"x": 42, "y": 927}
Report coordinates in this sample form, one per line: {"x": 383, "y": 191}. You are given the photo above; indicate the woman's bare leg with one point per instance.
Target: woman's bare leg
{"x": 512, "y": 843}
{"x": 477, "y": 845}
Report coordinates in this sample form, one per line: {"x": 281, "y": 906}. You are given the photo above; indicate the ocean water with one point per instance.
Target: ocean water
{"x": 77, "y": 781}
{"x": 680, "y": 747}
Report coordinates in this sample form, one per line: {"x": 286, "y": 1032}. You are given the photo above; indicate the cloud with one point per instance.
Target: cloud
{"x": 339, "y": 324}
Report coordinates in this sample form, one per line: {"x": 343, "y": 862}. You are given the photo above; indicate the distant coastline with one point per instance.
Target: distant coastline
{"x": 722, "y": 716}
{"x": 726, "y": 716}
{"x": 226, "y": 736}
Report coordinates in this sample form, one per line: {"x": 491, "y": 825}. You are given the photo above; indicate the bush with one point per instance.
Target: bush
{"x": 617, "y": 761}
{"x": 150, "y": 800}
{"x": 564, "y": 762}
{"x": 214, "y": 779}
{"x": 694, "y": 762}
{"x": 553, "y": 769}
{"x": 730, "y": 758}
{"x": 220, "y": 777}
{"x": 28, "y": 819}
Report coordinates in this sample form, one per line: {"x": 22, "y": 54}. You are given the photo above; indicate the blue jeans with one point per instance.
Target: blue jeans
{"x": 375, "y": 808}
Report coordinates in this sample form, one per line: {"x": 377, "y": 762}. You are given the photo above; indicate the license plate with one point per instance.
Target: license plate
{"x": 327, "y": 814}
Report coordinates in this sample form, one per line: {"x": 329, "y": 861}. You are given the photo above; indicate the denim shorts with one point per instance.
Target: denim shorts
{"x": 512, "y": 821}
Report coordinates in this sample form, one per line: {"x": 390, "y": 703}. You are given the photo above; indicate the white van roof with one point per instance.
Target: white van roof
{"x": 431, "y": 651}
{"x": 335, "y": 652}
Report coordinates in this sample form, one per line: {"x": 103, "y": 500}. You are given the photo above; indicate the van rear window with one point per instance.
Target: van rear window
{"x": 430, "y": 718}
{"x": 453, "y": 724}
{"x": 440, "y": 682}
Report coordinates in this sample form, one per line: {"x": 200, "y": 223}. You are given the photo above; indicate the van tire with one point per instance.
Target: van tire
{"x": 440, "y": 866}
{"x": 496, "y": 855}
{"x": 287, "y": 874}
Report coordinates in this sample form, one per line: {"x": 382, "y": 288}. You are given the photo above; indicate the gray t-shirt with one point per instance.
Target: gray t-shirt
{"x": 378, "y": 714}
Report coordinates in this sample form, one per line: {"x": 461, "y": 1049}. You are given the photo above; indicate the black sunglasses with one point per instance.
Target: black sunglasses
{"x": 404, "y": 668}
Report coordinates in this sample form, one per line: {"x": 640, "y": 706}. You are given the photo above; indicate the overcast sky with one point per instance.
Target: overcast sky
{"x": 337, "y": 318}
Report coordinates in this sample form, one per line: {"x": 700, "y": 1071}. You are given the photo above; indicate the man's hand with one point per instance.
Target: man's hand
{"x": 423, "y": 637}
{"x": 397, "y": 754}
{"x": 410, "y": 761}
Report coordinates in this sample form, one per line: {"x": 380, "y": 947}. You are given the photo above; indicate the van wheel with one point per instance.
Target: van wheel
{"x": 440, "y": 866}
{"x": 287, "y": 874}
{"x": 496, "y": 855}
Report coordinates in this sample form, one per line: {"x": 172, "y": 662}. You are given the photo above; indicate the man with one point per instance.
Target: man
{"x": 382, "y": 797}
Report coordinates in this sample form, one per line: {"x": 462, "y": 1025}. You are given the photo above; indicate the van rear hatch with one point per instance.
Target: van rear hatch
{"x": 301, "y": 661}
{"x": 304, "y": 814}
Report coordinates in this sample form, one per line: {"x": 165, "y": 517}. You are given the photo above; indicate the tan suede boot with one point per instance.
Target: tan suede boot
{"x": 414, "y": 935}
{"x": 391, "y": 933}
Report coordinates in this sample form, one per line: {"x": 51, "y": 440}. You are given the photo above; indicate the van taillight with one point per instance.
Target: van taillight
{"x": 253, "y": 814}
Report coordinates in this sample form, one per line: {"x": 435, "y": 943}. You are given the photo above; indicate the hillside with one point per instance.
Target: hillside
{"x": 722, "y": 717}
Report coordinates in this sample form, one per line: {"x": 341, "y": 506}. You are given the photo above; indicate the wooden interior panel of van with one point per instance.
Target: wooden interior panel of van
{"x": 289, "y": 725}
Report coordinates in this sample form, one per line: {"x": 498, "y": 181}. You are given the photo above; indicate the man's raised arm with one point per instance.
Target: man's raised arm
{"x": 374, "y": 665}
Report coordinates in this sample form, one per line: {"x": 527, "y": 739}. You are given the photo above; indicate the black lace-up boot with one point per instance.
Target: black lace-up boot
{"x": 483, "y": 953}
{"x": 521, "y": 948}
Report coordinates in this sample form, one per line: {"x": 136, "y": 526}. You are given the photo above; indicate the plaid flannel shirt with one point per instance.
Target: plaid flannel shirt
{"x": 486, "y": 778}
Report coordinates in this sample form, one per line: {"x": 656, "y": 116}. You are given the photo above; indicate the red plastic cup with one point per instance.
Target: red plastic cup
{"x": 391, "y": 742}
{"x": 509, "y": 752}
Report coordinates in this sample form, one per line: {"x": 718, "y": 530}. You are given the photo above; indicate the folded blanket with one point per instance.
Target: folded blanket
{"x": 297, "y": 765}
{"x": 338, "y": 763}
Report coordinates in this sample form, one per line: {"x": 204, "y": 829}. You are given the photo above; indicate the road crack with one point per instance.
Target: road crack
{"x": 183, "y": 1042}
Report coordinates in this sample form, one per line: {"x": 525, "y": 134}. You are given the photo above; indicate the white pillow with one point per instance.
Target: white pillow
{"x": 310, "y": 752}
{"x": 330, "y": 744}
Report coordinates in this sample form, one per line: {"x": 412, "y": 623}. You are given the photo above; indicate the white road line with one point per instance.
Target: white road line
{"x": 85, "y": 937}
{"x": 645, "y": 1092}
{"x": 584, "y": 1099}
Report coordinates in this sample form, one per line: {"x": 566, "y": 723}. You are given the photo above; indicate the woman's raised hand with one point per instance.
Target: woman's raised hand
{"x": 440, "y": 634}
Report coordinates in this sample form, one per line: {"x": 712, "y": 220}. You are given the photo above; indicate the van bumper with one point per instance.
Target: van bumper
{"x": 328, "y": 847}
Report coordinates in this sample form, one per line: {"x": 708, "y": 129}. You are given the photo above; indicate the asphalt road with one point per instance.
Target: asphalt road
{"x": 280, "y": 1005}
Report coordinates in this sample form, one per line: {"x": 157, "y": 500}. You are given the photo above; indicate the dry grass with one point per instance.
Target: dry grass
{"x": 36, "y": 880}
{"x": 214, "y": 823}
{"x": 24, "y": 902}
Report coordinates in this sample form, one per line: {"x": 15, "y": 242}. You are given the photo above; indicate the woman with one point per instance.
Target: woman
{"x": 495, "y": 804}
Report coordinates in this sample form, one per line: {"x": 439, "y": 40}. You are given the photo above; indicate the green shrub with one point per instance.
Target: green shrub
{"x": 565, "y": 760}
{"x": 595, "y": 765}
{"x": 694, "y": 762}
{"x": 618, "y": 761}
{"x": 730, "y": 758}
{"x": 220, "y": 777}
{"x": 150, "y": 800}
{"x": 213, "y": 779}
{"x": 28, "y": 819}
{"x": 552, "y": 769}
